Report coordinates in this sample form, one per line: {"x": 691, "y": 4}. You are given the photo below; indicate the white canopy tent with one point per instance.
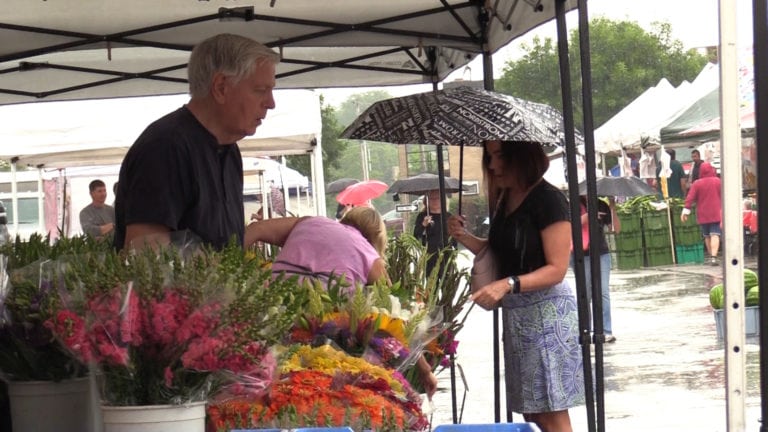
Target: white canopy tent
{"x": 106, "y": 48}
{"x": 640, "y": 121}
{"x": 67, "y": 134}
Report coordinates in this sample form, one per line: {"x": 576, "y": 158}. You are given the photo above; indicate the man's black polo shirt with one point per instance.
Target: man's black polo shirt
{"x": 177, "y": 175}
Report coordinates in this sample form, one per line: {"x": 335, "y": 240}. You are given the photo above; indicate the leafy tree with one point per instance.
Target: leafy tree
{"x": 625, "y": 61}
{"x": 333, "y": 147}
{"x": 382, "y": 157}
{"x": 357, "y": 103}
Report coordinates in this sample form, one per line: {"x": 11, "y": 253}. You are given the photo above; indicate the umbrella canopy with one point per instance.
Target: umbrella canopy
{"x": 360, "y": 193}
{"x": 459, "y": 116}
{"x": 423, "y": 183}
{"x": 619, "y": 187}
{"x": 339, "y": 185}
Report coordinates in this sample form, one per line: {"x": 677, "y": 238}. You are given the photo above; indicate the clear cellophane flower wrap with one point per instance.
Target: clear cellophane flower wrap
{"x": 176, "y": 325}
{"x": 28, "y": 351}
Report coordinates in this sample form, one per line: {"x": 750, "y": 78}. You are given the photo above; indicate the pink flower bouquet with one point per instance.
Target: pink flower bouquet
{"x": 168, "y": 330}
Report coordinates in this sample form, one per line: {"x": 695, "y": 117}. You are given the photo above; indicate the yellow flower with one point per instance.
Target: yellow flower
{"x": 395, "y": 327}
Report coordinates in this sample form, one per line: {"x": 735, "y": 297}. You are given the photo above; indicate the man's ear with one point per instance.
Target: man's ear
{"x": 219, "y": 87}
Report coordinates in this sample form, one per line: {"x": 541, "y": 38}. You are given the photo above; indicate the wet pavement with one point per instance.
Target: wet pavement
{"x": 665, "y": 372}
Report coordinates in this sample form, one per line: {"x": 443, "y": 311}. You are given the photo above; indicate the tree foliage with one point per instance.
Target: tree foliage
{"x": 625, "y": 61}
{"x": 332, "y": 146}
{"x": 357, "y": 103}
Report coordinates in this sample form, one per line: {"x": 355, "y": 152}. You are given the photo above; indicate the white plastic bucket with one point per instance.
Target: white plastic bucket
{"x": 44, "y": 406}
{"x": 154, "y": 418}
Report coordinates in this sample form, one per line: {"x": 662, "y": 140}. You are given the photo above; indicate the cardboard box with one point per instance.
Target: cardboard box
{"x": 751, "y": 321}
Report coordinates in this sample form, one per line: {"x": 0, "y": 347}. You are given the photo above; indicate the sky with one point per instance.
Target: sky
{"x": 693, "y": 22}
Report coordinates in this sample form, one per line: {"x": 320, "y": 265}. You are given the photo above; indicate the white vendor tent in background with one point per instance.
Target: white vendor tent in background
{"x": 639, "y": 122}
{"x": 59, "y": 137}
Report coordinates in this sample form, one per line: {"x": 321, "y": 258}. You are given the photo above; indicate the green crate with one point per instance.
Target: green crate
{"x": 658, "y": 256}
{"x": 655, "y": 220}
{"x": 677, "y": 211}
{"x": 687, "y": 235}
{"x": 629, "y": 260}
{"x": 628, "y": 241}
{"x": 630, "y": 222}
{"x": 657, "y": 238}
{"x": 690, "y": 254}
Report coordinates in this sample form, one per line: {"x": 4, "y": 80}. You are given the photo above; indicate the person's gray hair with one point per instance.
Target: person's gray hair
{"x": 233, "y": 55}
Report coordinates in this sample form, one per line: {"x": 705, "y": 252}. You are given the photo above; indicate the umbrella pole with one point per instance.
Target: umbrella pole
{"x": 443, "y": 242}
{"x": 461, "y": 174}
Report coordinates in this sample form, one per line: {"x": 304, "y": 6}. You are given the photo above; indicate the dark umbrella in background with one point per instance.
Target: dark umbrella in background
{"x": 619, "y": 187}
{"x": 423, "y": 183}
{"x": 339, "y": 185}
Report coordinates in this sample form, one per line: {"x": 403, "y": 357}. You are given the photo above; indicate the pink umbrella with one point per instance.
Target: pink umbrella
{"x": 362, "y": 192}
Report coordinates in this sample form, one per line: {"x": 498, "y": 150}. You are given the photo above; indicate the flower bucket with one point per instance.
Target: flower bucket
{"x": 154, "y": 418}
{"x": 44, "y": 406}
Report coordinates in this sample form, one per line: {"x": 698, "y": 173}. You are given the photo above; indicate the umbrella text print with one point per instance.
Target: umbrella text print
{"x": 458, "y": 116}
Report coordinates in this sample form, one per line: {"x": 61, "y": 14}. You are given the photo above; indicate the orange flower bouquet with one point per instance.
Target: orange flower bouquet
{"x": 326, "y": 387}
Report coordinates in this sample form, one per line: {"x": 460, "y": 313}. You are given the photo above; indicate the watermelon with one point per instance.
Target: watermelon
{"x": 753, "y": 296}
{"x": 716, "y": 296}
{"x": 750, "y": 279}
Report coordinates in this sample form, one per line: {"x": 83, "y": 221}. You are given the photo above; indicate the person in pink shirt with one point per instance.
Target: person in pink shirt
{"x": 318, "y": 247}
{"x": 706, "y": 194}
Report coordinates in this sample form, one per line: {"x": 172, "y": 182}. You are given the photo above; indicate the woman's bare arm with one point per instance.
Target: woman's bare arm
{"x": 273, "y": 231}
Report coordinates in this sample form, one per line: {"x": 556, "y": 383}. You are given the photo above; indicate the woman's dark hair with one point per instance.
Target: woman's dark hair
{"x": 525, "y": 158}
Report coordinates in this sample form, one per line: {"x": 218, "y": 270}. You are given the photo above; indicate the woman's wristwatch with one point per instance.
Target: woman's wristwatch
{"x": 514, "y": 284}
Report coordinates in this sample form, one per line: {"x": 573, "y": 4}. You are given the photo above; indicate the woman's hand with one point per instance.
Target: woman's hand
{"x": 456, "y": 227}
{"x": 427, "y": 221}
{"x": 427, "y": 377}
{"x": 489, "y": 296}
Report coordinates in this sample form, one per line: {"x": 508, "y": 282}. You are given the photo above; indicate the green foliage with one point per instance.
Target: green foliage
{"x": 383, "y": 158}
{"x": 625, "y": 61}
{"x": 27, "y": 349}
{"x": 332, "y": 146}
{"x": 445, "y": 291}
{"x": 356, "y": 104}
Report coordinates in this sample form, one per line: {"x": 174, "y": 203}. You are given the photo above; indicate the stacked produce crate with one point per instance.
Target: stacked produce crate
{"x": 629, "y": 242}
{"x": 656, "y": 235}
{"x": 689, "y": 245}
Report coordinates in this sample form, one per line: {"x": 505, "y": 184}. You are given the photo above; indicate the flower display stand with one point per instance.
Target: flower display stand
{"x": 47, "y": 406}
{"x": 154, "y": 418}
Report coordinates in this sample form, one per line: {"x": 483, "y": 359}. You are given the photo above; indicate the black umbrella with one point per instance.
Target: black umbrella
{"x": 423, "y": 183}
{"x": 459, "y": 116}
{"x": 619, "y": 187}
{"x": 339, "y": 185}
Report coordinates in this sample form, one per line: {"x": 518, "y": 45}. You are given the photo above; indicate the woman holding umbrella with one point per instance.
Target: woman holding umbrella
{"x": 530, "y": 238}
{"x": 429, "y": 228}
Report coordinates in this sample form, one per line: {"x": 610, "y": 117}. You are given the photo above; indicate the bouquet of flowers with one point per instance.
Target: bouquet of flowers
{"x": 170, "y": 328}
{"x": 371, "y": 324}
{"x": 28, "y": 350}
{"x": 445, "y": 291}
{"x": 323, "y": 386}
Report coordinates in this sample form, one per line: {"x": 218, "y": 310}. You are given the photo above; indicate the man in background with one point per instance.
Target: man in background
{"x": 676, "y": 182}
{"x": 693, "y": 174}
{"x": 97, "y": 219}
{"x": 185, "y": 171}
